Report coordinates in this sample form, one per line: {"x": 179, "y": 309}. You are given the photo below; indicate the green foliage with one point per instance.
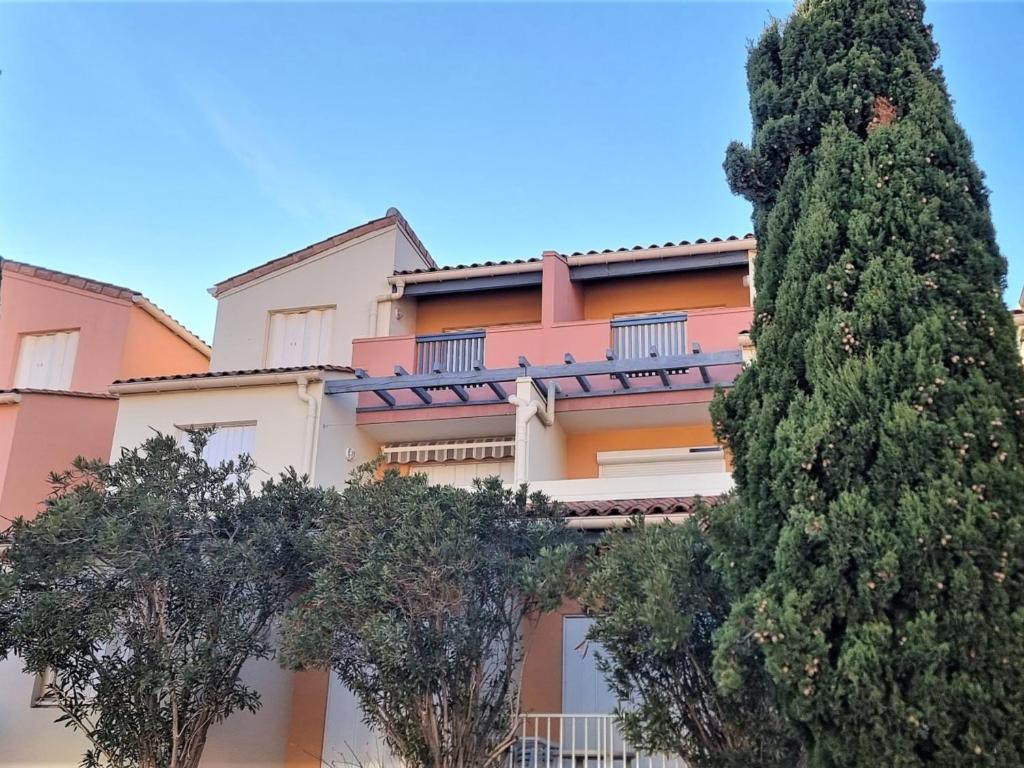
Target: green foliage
{"x": 145, "y": 585}
{"x": 417, "y": 606}
{"x": 657, "y": 605}
{"x": 875, "y": 541}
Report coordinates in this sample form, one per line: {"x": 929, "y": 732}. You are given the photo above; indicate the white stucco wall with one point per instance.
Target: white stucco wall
{"x": 279, "y": 415}
{"x": 348, "y": 277}
{"x": 29, "y": 738}
{"x": 338, "y": 433}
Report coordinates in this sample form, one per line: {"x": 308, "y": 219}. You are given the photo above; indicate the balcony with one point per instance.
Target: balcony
{"x": 449, "y": 352}
{"x": 578, "y": 741}
{"x": 713, "y": 330}
{"x": 638, "y": 337}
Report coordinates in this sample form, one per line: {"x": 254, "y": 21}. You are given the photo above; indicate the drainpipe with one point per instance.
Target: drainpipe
{"x": 395, "y": 295}
{"x": 308, "y": 451}
{"x": 526, "y": 409}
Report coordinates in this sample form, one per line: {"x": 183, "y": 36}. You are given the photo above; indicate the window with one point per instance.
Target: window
{"x": 46, "y": 360}
{"x": 462, "y": 473}
{"x": 42, "y": 695}
{"x": 456, "y": 461}
{"x": 660, "y": 461}
{"x": 299, "y": 337}
{"x": 227, "y": 443}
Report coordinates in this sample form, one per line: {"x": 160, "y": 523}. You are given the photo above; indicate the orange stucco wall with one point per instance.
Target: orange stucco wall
{"x": 153, "y": 349}
{"x": 31, "y": 305}
{"x": 581, "y": 448}
{"x": 663, "y": 293}
{"x": 542, "y": 669}
{"x": 435, "y": 314}
{"x": 51, "y": 430}
{"x": 306, "y": 724}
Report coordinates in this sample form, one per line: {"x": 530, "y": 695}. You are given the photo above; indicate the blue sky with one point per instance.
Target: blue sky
{"x": 166, "y": 147}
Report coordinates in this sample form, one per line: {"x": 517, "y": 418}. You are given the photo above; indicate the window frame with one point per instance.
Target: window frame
{"x": 267, "y": 336}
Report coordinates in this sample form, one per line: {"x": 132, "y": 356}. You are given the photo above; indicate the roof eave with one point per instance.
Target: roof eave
{"x": 173, "y": 325}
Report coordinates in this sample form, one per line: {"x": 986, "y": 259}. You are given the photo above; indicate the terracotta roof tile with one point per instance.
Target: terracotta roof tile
{"x": 468, "y": 266}
{"x": 392, "y": 217}
{"x": 70, "y": 280}
{"x": 675, "y": 505}
{"x": 97, "y": 286}
{"x": 247, "y": 372}
{"x": 653, "y": 246}
{"x": 63, "y": 392}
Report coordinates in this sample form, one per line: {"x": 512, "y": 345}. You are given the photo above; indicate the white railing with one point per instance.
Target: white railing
{"x": 578, "y": 741}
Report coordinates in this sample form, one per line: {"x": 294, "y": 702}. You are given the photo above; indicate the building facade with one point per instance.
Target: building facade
{"x": 63, "y": 340}
{"x": 588, "y": 376}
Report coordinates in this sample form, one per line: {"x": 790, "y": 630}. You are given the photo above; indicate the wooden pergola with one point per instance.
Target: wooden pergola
{"x": 611, "y": 376}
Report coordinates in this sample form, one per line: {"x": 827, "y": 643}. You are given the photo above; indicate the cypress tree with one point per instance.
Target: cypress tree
{"x": 876, "y": 531}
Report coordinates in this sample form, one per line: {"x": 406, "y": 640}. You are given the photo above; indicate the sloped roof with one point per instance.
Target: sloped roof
{"x": 246, "y": 372}
{"x": 655, "y": 246}
{"x": 674, "y": 505}
{"x": 393, "y": 217}
{"x": 474, "y": 265}
{"x": 63, "y": 392}
{"x": 110, "y": 291}
{"x": 507, "y": 262}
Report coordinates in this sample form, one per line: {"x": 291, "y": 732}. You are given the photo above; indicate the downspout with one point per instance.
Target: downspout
{"x": 384, "y": 297}
{"x": 526, "y": 410}
{"x": 308, "y": 451}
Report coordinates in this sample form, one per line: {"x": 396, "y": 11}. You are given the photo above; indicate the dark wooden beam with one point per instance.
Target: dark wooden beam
{"x": 662, "y": 373}
{"x": 623, "y": 381}
{"x": 583, "y": 381}
{"x": 610, "y": 367}
{"x": 387, "y": 397}
{"x": 420, "y": 392}
{"x": 702, "y": 368}
{"x": 496, "y": 388}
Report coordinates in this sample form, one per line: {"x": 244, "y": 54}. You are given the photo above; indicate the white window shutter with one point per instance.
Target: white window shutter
{"x": 227, "y": 443}
{"x": 47, "y": 361}
{"x": 660, "y": 461}
{"x": 299, "y": 338}
{"x": 461, "y": 474}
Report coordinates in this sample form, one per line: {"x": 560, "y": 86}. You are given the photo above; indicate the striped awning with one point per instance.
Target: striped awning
{"x": 450, "y": 450}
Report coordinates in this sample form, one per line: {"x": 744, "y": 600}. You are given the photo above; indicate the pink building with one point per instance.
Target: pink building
{"x": 63, "y": 340}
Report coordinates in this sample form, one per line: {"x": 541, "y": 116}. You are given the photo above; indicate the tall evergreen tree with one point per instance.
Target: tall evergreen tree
{"x": 876, "y": 532}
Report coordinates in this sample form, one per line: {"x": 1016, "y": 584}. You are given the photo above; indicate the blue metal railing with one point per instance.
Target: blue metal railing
{"x": 450, "y": 352}
{"x": 634, "y": 337}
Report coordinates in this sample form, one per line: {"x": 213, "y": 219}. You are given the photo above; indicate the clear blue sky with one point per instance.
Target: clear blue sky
{"x": 166, "y": 147}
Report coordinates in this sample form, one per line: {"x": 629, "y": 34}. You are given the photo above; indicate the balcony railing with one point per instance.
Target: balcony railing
{"x": 636, "y": 337}
{"x": 449, "y": 352}
{"x": 578, "y": 741}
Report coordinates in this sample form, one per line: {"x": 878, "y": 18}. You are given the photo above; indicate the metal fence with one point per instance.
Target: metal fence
{"x": 634, "y": 337}
{"x": 449, "y": 352}
{"x": 578, "y": 741}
